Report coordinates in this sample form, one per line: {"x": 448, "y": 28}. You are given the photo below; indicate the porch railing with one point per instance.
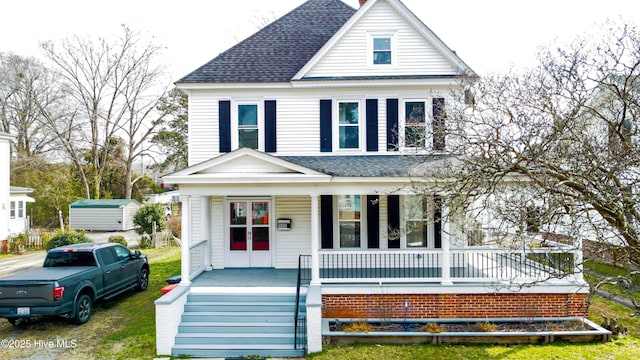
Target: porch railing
{"x": 300, "y": 321}
{"x": 197, "y": 256}
{"x": 474, "y": 264}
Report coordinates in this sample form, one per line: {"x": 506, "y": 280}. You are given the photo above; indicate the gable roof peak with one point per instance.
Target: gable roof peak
{"x": 279, "y": 50}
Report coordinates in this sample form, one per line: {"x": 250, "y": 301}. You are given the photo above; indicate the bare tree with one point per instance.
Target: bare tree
{"x": 115, "y": 85}
{"x": 26, "y": 86}
{"x": 556, "y": 149}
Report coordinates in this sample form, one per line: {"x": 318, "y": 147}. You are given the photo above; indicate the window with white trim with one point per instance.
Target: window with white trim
{"x": 12, "y": 209}
{"x": 349, "y": 124}
{"x": 382, "y": 49}
{"x": 422, "y": 124}
{"x": 248, "y": 126}
{"x": 350, "y": 221}
{"x": 20, "y": 209}
{"x": 417, "y": 220}
{"x": 415, "y": 124}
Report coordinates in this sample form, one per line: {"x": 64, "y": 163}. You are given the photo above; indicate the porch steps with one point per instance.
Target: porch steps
{"x": 224, "y": 325}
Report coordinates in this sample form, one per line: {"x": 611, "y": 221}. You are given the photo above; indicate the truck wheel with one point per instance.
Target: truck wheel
{"x": 143, "y": 280}
{"x": 83, "y": 309}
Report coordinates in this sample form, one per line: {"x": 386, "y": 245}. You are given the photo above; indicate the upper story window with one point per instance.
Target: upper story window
{"x": 348, "y": 125}
{"x": 382, "y": 49}
{"x": 248, "y": 126}
{"x": 422, "y": 124}
{"x": 415, "y": 124}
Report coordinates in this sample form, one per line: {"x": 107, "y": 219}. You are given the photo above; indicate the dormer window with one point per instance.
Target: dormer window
{"x": 382, "y": 49}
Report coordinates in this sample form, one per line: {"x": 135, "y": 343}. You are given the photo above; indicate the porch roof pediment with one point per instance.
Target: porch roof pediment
{"x": 248, "y": 166}
{"x": 245, "y": 165}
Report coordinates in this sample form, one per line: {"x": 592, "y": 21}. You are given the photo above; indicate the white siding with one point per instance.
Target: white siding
{"x": 298, "y": 124}
{"x": 348, "y": 57}
{"x": 129, "y": 212}
{"x": 298, "y": 117}
{"x": 196, "y": 220}
{"x": 203, "y": 127}
{"x": 384, "y": 227}
{"x": 297, "y": 241}
{"x": 217, "y": 232}
{"x": 96, "y": 219}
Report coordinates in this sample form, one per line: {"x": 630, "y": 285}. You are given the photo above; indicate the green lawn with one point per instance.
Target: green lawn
{"x": 125, "y": 329}
{"x": 135, "y": 339}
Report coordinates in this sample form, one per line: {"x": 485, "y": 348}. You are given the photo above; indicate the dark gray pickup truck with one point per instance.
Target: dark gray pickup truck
{"x": 71, "y": 279}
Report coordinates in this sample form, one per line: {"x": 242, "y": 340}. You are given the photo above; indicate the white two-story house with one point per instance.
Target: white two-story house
{"x": 305, "y": 143}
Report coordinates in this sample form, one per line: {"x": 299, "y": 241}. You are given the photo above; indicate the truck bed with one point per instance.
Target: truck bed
{"x": 45, "y": 274}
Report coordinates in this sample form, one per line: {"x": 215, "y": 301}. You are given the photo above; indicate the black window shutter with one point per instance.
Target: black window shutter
{"x": 325, "y": 126}
{"x": 439, "y": 126}
{"x": 270, "y": 126}
{"x": 373, "y": 221}
{"x": 326, "y": 221}
{"x": 392, "y": 124}
{"x": 437, "y": 222}
{"x": 224, "y": 125}
{"x": 393, "y": 207}
{"x": 372, "y": 124}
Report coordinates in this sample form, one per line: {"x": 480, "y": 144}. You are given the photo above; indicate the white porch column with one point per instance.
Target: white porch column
{"x": 185, "y": 241}
{"x": 315, "y": 239}
{"x": 446, "y": 243}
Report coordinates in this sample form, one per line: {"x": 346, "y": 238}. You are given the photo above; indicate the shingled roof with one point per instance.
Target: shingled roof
{"x": 278, "y": 51}
{"x": 371, "y": 165}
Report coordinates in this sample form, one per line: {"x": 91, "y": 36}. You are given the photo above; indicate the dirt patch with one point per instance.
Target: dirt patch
{"x": 57, "y": 338}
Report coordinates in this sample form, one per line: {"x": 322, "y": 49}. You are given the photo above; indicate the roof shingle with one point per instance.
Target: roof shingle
{"x": 371, "y": 165}
{"x": 278, "y": 51}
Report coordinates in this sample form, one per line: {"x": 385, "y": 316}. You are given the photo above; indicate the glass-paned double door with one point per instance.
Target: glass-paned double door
{"x": 249, "y": 233}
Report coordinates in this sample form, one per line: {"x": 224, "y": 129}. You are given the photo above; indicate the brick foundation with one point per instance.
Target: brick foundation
{"x": 390, "y": 306}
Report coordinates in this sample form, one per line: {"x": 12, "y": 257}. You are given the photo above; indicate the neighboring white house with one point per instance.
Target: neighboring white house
{"x": 166, "y": 197}
{"x": 5, "y": 170}
{"x": 18, "y": 216}
{"x": 103, "y": 214}
{"x": 302, "y": 147}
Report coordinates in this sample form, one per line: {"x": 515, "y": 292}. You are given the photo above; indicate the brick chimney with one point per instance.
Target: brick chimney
{"x": 362, "y": 2}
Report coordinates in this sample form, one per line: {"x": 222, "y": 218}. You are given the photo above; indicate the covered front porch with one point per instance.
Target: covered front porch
{"x": 255, "y": 223}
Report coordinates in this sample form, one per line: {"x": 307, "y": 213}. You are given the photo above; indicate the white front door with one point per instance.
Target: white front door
{"x": 248, "y": 241}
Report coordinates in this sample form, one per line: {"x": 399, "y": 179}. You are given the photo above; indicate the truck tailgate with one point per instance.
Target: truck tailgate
{"x": 34, "y": 287}
{"x": 27, "y": 293}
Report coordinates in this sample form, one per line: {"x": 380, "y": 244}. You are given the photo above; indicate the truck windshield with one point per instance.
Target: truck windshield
{"x": 55, "y": 259}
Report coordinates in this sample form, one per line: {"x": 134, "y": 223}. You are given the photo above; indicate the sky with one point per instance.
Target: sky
{"x": 489, "y": 35}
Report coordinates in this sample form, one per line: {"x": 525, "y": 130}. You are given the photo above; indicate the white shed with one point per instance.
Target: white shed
{"x": 103, "y": 215}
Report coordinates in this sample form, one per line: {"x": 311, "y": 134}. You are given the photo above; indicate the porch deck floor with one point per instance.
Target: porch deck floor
{"x": 247, "y": 278}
